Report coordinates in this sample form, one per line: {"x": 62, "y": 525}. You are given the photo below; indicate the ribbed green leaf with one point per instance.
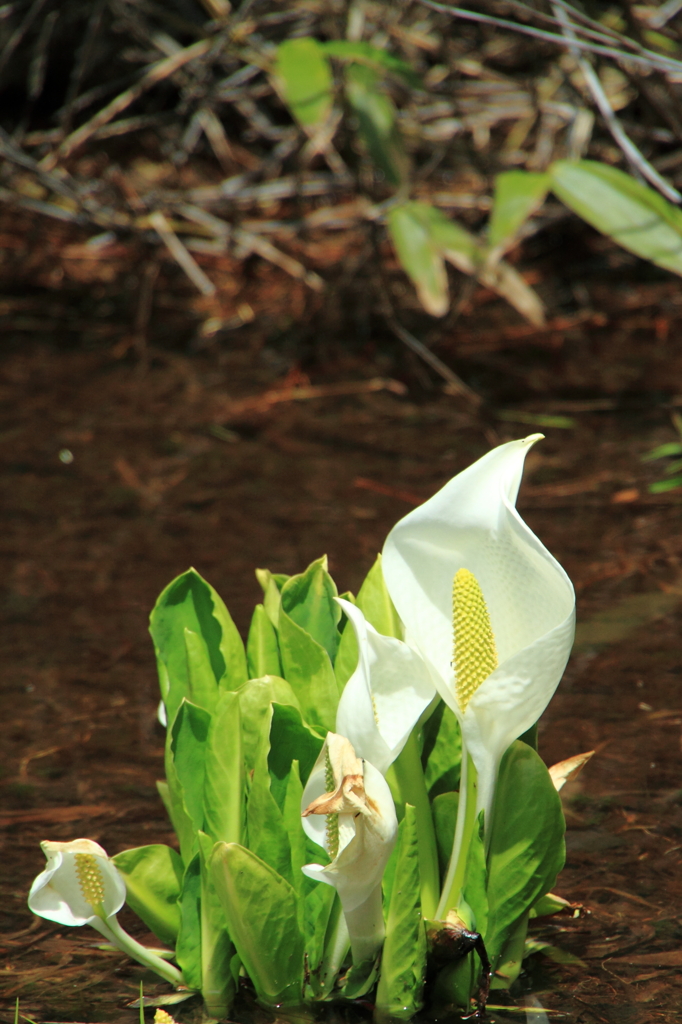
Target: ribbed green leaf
{"x": 153, "y": 878}
{"x": 442, "y": 751}
{"x": 224, "y": 781}
{"x": 309, "y": 600}
{"x": 262, "y": 648}
{"x": 188, "y": 946}
{"x": 218, "y": 984}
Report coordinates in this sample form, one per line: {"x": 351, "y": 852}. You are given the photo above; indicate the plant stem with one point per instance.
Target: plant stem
{"x": 335, "y": 952}
{"x": 466, "y": 823}
{"x": 112, "y": 930}
{"x": 409, "y": 776}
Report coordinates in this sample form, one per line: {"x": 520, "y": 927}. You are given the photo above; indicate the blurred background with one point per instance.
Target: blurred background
{"x": 222, "y": 347}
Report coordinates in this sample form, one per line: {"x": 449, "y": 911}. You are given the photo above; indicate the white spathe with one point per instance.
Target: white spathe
{"x": 386, "y": 695}
{"x": 57, "y": 892}
{"x": 472, "y": 523}
{"x": 367, "y": 831}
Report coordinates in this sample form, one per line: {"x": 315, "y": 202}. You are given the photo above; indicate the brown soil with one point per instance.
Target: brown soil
{"x": 154, "y": 487}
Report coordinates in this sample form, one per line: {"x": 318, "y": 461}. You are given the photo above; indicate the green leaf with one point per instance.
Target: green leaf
{"x": 309, "y": 600}
{"x": 549, "y": 904}
{"x": 476, "y": 879}
{"x": 218, "y": 984}
{"x": 632, "y": 214}
{"x": 304, "y": 79}
{"x": 526, "y": 849}
{"x": 518, "y": 194}
{"x": 261, "y": 912}
{"x": 403, "y": 961}
{"x": 262, "y": 648}
{"x": 555, "y": 953}
{"x": 324, "y": 924}
{"x": 663, "y": 451}
{"x": 376, "y": 115}
{"x": 171, "y": 795}
{"x": 420, "y": 256}
{"x": 153, "y": 878}
{"x": 376, "y": 605}
{"x": 309, "y": 671}
{"x": 290, "y": 740}
{"x": 188, "y": 740}
{"x": 346, "y": 660}
{"x": 255, "y": 698}
{"x": 444, "y": 809}
{"x": 189, "y": 602}
{"x": 188, "y": 946}
{"x": 291, "y": 819}
{"x": 452, "y": 241}
{"x": 660, "y": 486}
{"x": 365, "y": 53}
{"x": 267, "y": 833}
{"x": 442, "y": 751}
{"x": 224, "y": 782}
{"x": 271, "y": 585}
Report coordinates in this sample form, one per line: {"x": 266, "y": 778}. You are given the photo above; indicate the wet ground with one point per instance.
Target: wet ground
{"x": 121, "y": 470}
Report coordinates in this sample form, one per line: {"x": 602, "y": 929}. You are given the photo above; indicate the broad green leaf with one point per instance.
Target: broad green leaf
{"x": 290, "y": 740}
{"x": 518, "y": 194}
{"x": 291, "y": 818}
{"x": 451, "y": 240}
{"x": 255, "y": 698}
{"x": 442, "y": 751}
{"x": 261, "y": 912}
{"x": 376, "y": 605}
{"x": 376, "y": 115}
{"x": 224, "y": 781}
{"x": 365, "y": 53}
{"x": 326, "y": 938}
{"x": 309, "y": 671}
{"x": 309, "y": 600}
{"x": 188, "y": 946}
{"x": 153, "y": 878}
{"x": 271, "y": 585}
{"x": 218, "y": 984}
{"x": 510, "y": 959}
{"x": 526, "y": 849}
{"x": 346, "y": 660}
{"x": 171, "y": 795}
{"x": 549, "y": 904}
{"x": 360, "y": 979}
{"x": 304, "y": 80}
{"x": 201, "y": 679}
{"x": 262, "y": 648}
{"x": 444, "y": 808}
{"x": 403, "y": 961}
{"x": 189, "y": 602}
{"x": 267, "y": 832}
{"x": 419, "y": 254}
{"x": 632, "y": 214}
{"x": 188, "y": 741}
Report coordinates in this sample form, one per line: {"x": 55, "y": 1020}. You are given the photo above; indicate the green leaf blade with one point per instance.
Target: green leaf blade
{"x": 305, "y": 80}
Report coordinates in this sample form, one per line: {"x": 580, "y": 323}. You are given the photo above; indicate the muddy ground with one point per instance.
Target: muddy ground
{"x": 124, "y": 462}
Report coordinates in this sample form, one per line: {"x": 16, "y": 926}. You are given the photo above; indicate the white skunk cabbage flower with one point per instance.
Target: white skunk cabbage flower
{"x": 348, "y": 809}
{"x": 80, "y": 885}
{"x": 386, "y": 695}
{"x": 484, "y": 603}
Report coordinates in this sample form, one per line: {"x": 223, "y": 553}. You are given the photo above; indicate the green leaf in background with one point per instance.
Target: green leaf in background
{"x": 378, "y": 128}
{"x": 291, "y": 819}
{"x": 326, "y": 937}
{"x": 663, "y": 451}
{"x": 346, "y": 660}
{"x": 403, "y": 961}
{"x": 559, "y": 956}
{"x": 255, "y": 698}
{"x": 153, "y": 878}
{"x": 188, "y": 738}
{"x": 218, "y": 984}
{"x": 261, "y": 912}
{"x": 475, "y": 886}
{"x": 309, "y": 671}
{"x": 304, "y": 80}
{"x": 170, "y": 792}
{"x": 549, "y": 904}
{"x": 365, "y": 53}
{"x": 309, "y": 600}
{"x": 526, "y": 848}
{"x": 189, "y": 602}
{"x": 290, "y": 740}
{"x": 444, "y": 809}
{"x": 188, "y": 946}
{"x": 632, "y": 214}
{"x": 224, "y": 782}
{"x": 442, "y": 751}
{"x": 200, "y": 676}
{"x": 271, "y": 584}
{"x": 420, "y": 256}
{"x": 262, "y": 648}
{"x": 375, "y": 603}
{"x": 660, "y": 486}
{"x": 518, "y": 194}
{"x": 537, "y": 419}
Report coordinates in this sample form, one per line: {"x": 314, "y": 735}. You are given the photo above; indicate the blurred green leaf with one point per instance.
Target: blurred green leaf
{"x": 634, "y": 215}
{"x": 153, "y": 878}
{"x": 262, "y": 649}
{"x": 526, "y": 846}
{"x": 309, "y": 600}
{"x": 518, "y": 194}
{"x": 537, "y": 419}
{"x": 403, "y": 960}
{"x": 380, "y": 60}
{"x": 261, "y": 912}
{"x": 376, "y": 116}
{"x": 305, "y": 80}
{"x": 663, "y": 450}
{"x": 419, "y": 254}
{"x": 660, "y": 486}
